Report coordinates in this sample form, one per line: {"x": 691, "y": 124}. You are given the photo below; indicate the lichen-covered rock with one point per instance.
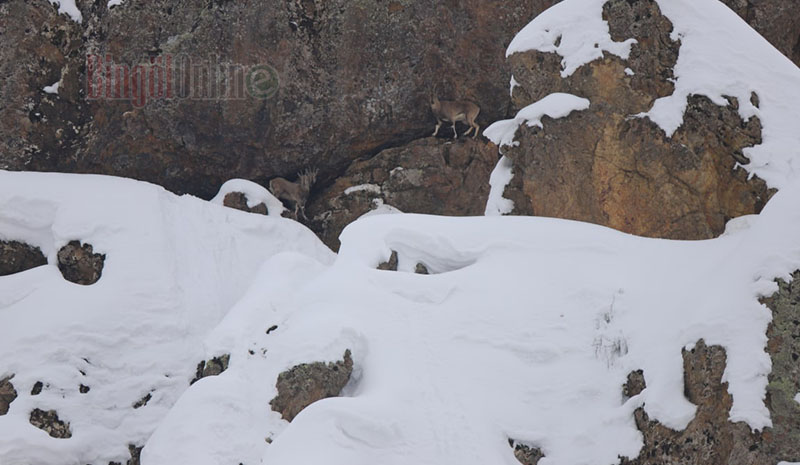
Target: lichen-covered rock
{"x": 16, "y": 257}
{"x": 307, "y": 383}
{"x": 79, "y": 264}
{"x": 7, "y": 394}
{"x": 433, "y": 176}
{"x": 212, "y": 367}
{"x": 49, "y": 422}
{"x": 238, "y": 201}
{"x": 526, "y": 455}
{"x": 784, "y": 381}
{"x": 602, "y": 166}
{"x": 710, "y": 438}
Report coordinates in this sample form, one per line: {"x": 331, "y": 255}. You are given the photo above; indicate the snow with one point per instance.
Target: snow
{"x": 512, "y": 84}
{"x": 68, "y": 7}
{"x": 255, "y": 194}
{"x": 555, "y": 105}
{"x": 174, "y": 268}
{"x": 369, "y": 188}
{"x": 379, "y": 207}
{"x": 575, "y": 30}
{"x": 797, "y": 398}
{"x": 720, "y": 57}
{"x": 501, "y": 175}
{"x": 114, "y": 3}
{"x": 526, "y": 329}
{"x": 52, "y": 89}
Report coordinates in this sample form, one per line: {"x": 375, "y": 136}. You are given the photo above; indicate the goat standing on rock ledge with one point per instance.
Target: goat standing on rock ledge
{"x": 453, "y": 112}
{"x": 295, "y": 192}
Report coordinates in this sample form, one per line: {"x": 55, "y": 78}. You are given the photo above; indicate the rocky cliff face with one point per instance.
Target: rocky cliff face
{"x": 354, "y": 79}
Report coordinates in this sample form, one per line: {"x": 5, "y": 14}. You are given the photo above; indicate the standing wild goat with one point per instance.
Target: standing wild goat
{"x": 295, "y": 192}
{"x": 453, "y": 112}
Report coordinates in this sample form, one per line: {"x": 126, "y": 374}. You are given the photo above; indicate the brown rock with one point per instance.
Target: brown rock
{"x": 307, "y": 383}
{"x": 17, "y": 256}
{"x": 601, "y": 166}
{"x": 238, "y": 201}
{"x": 7, "y": 394}
{"x": 79, "y": 264}
{"x": 434, "y": 176}
{"x": 49, "y": 422}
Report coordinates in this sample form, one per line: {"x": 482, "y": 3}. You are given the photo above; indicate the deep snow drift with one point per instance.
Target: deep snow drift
{"x": 526, "y": 329}
{"x": 174, "y": 267}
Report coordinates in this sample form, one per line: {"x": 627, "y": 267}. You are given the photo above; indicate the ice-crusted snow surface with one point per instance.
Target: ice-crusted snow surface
{"x": 255, "y": 194}
{"x": 501, "y": 175}
{"x": 555, "y": 105}
{"x": 174, "y": 268}
{"x": 720, "y": 57}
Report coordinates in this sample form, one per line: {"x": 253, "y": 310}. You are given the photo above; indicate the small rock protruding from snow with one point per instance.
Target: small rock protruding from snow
{"x": 79, "y": 264}
{"x": 7, "y": 394}
{"x": 307, "y": 383}
{"x": 49, "y": 422}
{"x": 213, "y": 367}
